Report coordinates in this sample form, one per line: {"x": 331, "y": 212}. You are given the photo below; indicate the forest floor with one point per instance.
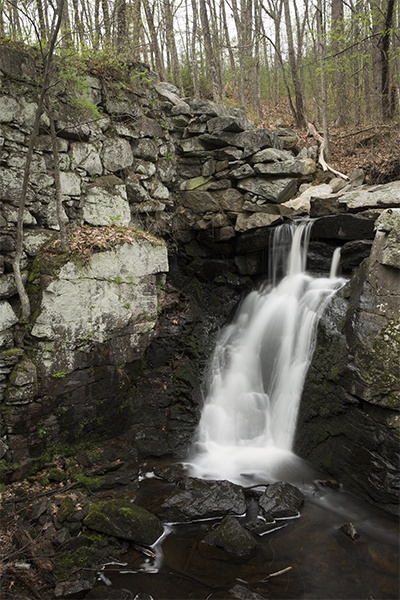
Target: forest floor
{"x": 374, "y": 147}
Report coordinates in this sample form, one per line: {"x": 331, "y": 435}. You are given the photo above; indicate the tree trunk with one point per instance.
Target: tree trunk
{"x": 133, "y": 46}
{"x": 321, "y": 59}
{"x": 340, "y": 76}
{"x": 57, "y": 178}
{"x": 195, "y": 73}
{"x": 217, "y": 97}
{"x": 42, "y": 23}
{"x": 47, "y": 62}
{"x": 384, "y": 48}
{"x": 300, "y": 109}
{"x": 107, "y": 24}
{"x": 169, "y": 29}
{"x": 78, "y": 23}
{"x": 154, "y": 40}
{"x": 241, "y": 54}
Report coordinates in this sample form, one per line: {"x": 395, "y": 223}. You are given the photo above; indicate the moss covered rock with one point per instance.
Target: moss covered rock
{"x": 125, "y": 520}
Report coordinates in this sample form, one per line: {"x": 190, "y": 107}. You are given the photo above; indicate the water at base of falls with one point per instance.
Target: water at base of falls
{"x": 257, "y": 373}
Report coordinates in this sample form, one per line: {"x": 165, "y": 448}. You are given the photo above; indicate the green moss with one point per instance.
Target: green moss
{"x": 92, "y": 483}
{"x": 13, "y": 352}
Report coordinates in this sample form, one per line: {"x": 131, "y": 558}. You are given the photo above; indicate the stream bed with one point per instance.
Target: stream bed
{"x": 325, "y": 562}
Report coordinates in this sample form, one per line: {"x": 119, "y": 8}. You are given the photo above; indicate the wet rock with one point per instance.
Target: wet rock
{"x": 102, "y": 592}
{"x": 232, "y": 537}
{"x": 125, "y": 520}
{"x": 349, "y": 413}
{"x": 353, "y": 253}
{"x": 195, "y": 499}
{"x": 172, "y": 473}
{"x": 281, "y": 499}
{"x": 72, "y": 587}
{"x": 349, "y": 530}
{"x": 239, "y": 591}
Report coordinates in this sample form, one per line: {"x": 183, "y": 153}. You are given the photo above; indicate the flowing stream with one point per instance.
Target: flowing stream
{"x": 245, "y": 434}
{"x": 260, "y": 362}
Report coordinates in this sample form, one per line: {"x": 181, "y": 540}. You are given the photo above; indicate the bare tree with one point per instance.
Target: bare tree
{"x": 47, "y": 63}
{"x": 300, "y": 106}
{"x": 337, "y": 32}
{"x": 216, "y": 92}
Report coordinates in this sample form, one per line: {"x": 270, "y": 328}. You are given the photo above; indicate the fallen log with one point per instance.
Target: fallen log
{"x": 312, "y": 131}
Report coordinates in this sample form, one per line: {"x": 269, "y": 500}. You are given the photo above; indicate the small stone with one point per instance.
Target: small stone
{"x": 349, "y": 530}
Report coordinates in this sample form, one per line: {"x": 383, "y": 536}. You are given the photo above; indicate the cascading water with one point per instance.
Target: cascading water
{"x": 257, "y": 373}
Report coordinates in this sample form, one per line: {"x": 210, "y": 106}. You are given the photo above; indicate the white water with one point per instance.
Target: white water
{"x": 257, "y": 373}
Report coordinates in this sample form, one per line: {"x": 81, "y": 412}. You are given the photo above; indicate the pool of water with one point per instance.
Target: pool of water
{"x": 324, "y": 562}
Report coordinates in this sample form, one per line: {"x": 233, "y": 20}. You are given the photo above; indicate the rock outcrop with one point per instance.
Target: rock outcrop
{"x": 349, "y": 415}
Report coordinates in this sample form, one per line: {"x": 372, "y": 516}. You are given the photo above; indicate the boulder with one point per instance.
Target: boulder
{"x": 245, "y": 222}
{"x": 286, "y": 168}
{"x": 236, "y": 123}
{"x": 85, "y": 156}
{"x": 269, "y": 155}
{"x": 274, "y": 190}
{"x": 250, "y": 141}
{"x": 199, "y": 202}
{"x": 105, "y": 202}
{"x": 8, "y": 318}
{"x": 280, "y": 500}
{"x": 195, "y": 499}
{"x": 232, "y": 537}
{"x": 89, "y": 304}
{"x": 123, "y": 519}
{"x": 117, "y": 154}
{"x": 375, "y": 196}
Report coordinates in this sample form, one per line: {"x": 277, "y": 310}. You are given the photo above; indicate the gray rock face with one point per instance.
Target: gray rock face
{"x": 195, "y": 499}
{"x": 277, "y": 190}
{"x": 106, "y": 203}
{"x": 281, "y": 499}
{"x": 232, "y": 537}
{"x": 349, "y": 415}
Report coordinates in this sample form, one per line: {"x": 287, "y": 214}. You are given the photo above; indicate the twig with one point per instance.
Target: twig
{"x": 49, "y": 493}
{"x": 277, "y": 573}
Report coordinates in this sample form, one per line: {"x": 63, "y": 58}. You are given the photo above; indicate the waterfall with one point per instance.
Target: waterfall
{"x": 257, "y": 372}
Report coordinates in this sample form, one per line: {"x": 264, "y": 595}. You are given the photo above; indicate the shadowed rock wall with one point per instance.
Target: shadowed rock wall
{"x": 349, "y": 420}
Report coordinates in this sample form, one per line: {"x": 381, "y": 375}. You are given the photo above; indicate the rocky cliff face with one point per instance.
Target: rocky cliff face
{"x": 349, "y": 419}
{"x": 133, "y": 155}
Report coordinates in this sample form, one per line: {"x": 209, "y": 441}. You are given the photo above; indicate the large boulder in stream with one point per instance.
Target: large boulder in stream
{"x": 195, "y": 499}
{"x": 349, "y": 415}
{"x": 232, "y": 537}
{"x": 281, "y": 500}
{"x": 125, "y": 520}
